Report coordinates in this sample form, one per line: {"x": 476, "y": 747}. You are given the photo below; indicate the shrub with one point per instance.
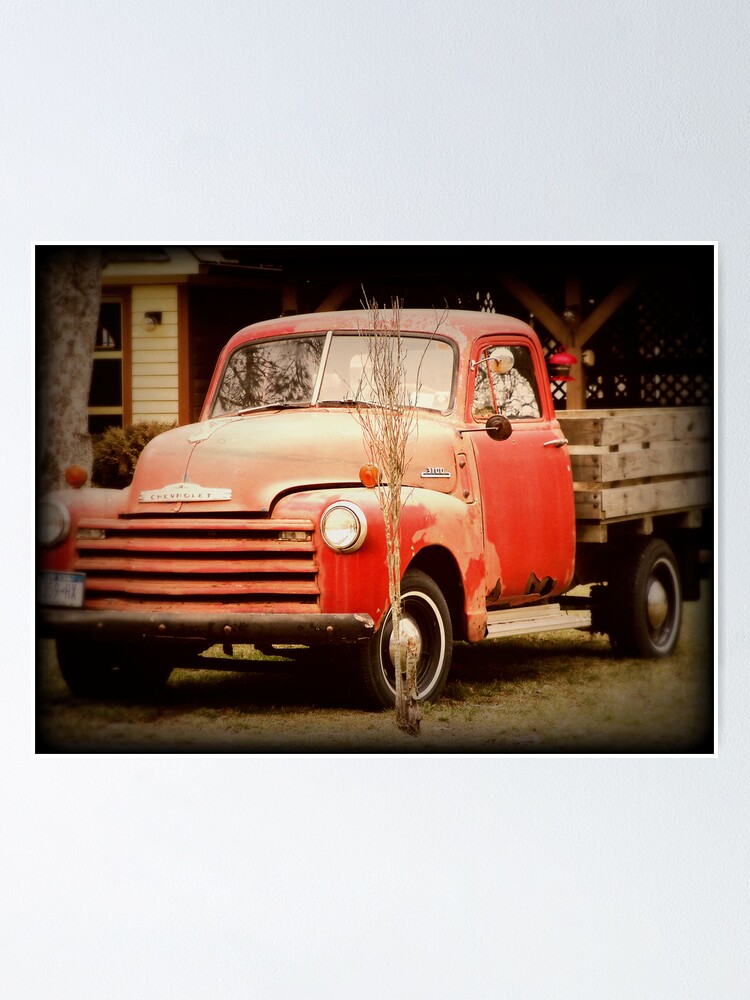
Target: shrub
{"x": 116, "y": 451}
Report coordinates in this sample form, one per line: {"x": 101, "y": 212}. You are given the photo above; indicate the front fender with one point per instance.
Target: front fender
{"x": 359, "y": 581}
{"x": 87, "y": 502}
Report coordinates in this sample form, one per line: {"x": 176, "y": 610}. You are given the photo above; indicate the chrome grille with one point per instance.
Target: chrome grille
{"x": 242, "y": 565}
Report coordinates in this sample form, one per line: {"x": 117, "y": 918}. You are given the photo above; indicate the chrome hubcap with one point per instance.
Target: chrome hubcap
{"x": 410, "y": 636}
{"x": 657, "y": 604}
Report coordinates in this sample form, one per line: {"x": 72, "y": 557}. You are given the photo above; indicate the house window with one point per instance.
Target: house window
{"x": 106, "y": 394}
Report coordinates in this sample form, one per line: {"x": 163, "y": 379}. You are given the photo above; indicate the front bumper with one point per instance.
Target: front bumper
{"x": 292, "y": 629}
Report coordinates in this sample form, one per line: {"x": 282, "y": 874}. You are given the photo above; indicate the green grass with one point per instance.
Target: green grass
{"x": 557, "y": 692}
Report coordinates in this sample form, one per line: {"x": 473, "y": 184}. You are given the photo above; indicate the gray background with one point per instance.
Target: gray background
{"x": 364, "y": 877}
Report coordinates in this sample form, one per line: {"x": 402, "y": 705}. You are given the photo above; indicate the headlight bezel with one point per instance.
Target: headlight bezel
{"x": 348, "y": 541}
{"x": 49, "y": 539}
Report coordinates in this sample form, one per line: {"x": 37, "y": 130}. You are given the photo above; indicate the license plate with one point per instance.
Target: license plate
{"x": 61, "y": 590}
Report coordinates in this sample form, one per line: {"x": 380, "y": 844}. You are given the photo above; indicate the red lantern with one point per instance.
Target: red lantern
{"x": 559, "y": 365}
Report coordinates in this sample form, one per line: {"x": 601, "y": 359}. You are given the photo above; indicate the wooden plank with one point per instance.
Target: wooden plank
{"x": 641, "y": 501}
{"x": 155, "y": 298}
{"x": 643, "y": 411}
{"x": 156, "y": 381}
{"x": 162, "y": 370}
{"x": 618, "y": 427}
{"x": 155, "y": 357}
{"x": 664, "y": 460}
{"x": 162, "y": 343}
{"x": 693, "y": 423}
{"x": 154, "y": 409}
{"x": 143, "y": 395}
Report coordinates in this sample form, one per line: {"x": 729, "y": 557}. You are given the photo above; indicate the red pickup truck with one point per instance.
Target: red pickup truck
{"x": 254, "y": 525}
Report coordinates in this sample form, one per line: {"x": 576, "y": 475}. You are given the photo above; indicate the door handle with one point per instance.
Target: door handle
{"x": 555, "y": 443}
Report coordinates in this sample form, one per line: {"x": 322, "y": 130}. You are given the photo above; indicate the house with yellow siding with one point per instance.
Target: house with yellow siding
{"x": 166, "y": 312}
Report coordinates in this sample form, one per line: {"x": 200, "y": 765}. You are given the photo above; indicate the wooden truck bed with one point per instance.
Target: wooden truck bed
{"x": 637, "y": 464}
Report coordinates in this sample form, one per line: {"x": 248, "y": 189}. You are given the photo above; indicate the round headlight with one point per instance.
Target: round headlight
{"x": 52, "y": 523}
{"x": 343, "y": 526}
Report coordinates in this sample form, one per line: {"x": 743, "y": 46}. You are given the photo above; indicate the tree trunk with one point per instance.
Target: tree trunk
{"x": 68, "y": 297}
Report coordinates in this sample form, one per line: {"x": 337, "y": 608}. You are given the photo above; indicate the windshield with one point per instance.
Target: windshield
{"x": 329, "y": 369}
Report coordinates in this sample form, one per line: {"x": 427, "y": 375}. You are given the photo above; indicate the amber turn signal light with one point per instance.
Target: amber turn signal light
{"x": 76, "y": 476}
{"x": 369, "y": 476}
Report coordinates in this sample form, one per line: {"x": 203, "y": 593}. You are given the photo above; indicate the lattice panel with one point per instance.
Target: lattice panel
{"x": 488, "y": 305}
{"x": 664, "y": 334}
{"x": 595, "y": 389}
{"x": 675, "y": 390}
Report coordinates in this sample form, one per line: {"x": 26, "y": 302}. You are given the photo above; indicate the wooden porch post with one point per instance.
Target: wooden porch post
{"x": 336, "y": 298}
{"x": 575, "y": 396}
{"x": 569, "y": 329}
{"x": 289, "y": 295}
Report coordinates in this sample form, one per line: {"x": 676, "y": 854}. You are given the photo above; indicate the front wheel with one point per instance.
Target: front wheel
{"x": 645, "y": 605}
{"x": 425, "y": 609}
{"x": 104, "y": 670}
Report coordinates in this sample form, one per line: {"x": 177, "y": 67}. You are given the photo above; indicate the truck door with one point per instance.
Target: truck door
{"x": 525, "y": 480}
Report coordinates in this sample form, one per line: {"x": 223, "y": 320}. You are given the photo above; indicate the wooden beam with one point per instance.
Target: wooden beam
{"x": 573, "y": 293}
{"x": 575, "y": 396}
{"x": 536, "y": 305}
{"x": 289, "y": 297}
{"x": 607, "y": 308}
{"x": 336, "y": 298}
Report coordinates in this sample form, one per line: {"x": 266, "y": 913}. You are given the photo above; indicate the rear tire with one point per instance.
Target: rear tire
{"x": 104, "y": 670}
{"x": 423, "y": 603}
{"x": 644, "y": 610}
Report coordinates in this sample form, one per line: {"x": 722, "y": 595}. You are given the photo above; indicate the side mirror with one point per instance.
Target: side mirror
{"x": 498, "y": 427}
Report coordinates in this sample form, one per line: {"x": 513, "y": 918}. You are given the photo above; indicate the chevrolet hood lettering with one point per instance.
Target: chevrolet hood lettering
{"x": 184, "y": 493}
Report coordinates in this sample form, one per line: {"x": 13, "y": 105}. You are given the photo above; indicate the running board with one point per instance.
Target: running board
{"x": 539, "y": 618}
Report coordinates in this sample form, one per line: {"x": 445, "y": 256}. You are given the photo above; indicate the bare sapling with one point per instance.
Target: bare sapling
{"x": 387, "y": 427}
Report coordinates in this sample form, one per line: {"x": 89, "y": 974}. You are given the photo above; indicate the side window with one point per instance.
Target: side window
{"x": 505, "y": 384}
{"x": 105, "y": 407}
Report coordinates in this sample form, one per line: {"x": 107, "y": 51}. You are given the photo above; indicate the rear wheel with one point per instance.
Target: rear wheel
{"x": 428, "y": 620}
{"x": 110, "y": 670}
{"x": 645, "y": 604}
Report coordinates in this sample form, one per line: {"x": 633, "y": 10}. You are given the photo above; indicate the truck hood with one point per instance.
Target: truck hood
{"x": 244, "y": 463}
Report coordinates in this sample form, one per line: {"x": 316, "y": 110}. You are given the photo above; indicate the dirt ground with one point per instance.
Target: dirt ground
{"x": 561, "y": 692}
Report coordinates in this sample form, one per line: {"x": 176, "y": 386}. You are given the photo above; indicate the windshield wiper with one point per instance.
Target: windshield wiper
{"x": 269, "y": 406}
{"x": 345, "y": 402}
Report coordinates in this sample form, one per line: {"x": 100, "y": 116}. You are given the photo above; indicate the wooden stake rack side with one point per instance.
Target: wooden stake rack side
{"x": 634, "y": 465}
